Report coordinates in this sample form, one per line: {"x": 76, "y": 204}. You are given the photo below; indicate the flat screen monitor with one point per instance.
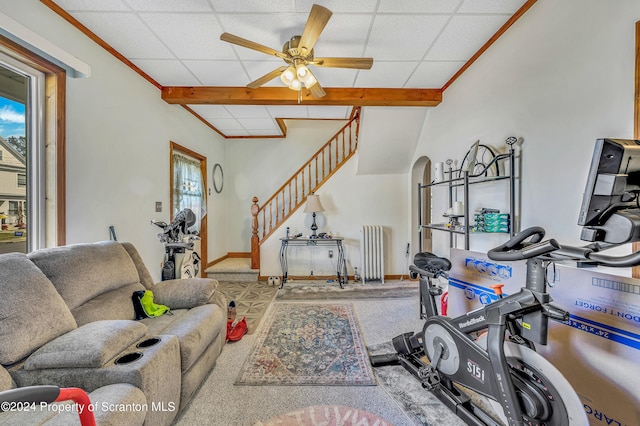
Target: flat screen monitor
{"x": 611, "y": 193}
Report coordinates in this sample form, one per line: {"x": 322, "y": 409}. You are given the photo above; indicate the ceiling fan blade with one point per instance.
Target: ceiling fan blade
{"x": 359, "y": 63}
{"x": 318, "y": 18}
{"x": 317, "y": 91}
{"x": 230, "y": 38}
{"x": 266, "y": 78}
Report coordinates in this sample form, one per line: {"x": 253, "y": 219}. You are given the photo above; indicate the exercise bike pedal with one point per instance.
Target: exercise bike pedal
{"x": 518, "y": 340}
{"x": 429, "y": 377}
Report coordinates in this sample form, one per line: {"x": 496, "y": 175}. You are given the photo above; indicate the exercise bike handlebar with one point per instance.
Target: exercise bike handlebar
{"x": 518, "y": 248}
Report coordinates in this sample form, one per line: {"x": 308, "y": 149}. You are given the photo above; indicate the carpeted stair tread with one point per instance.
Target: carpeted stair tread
{"x": 233, "y": 269}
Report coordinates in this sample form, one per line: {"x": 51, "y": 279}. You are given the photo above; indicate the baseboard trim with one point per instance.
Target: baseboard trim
{"x": 238, "y": 254}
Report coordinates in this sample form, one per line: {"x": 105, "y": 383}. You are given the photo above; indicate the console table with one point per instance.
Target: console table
{"x": 341, "y": 268}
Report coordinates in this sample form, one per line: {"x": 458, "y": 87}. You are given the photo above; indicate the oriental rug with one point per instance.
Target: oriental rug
{"x": 308, "y": 344}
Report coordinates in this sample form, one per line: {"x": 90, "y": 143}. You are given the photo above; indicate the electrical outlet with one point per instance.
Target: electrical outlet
{"x": 330, "y": 254}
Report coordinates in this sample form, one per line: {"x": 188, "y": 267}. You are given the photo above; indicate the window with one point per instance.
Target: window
{"x": 32, "y": 178}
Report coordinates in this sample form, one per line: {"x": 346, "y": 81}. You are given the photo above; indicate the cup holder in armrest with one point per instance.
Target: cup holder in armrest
{"x": 147, "y": 343}
{"x": 128, "y": 358}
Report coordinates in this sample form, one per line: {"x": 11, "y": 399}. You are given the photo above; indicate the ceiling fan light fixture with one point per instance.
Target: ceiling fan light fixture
{"x": 288, "y": 75}
{"x": 295, "y": 84}
{"x": 310, "y": 80}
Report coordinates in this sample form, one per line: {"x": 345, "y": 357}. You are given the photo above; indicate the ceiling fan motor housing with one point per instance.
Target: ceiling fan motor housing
{"x": 291, "y": 48}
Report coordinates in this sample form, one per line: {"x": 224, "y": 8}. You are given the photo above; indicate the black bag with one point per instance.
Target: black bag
{"x": 168, "y": 270}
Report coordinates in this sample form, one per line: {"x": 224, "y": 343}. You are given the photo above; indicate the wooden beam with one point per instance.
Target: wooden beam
{"x": 284, "y": 96}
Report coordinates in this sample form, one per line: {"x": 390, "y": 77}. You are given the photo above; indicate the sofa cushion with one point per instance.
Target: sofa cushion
{"x": 195, "y": 328}
{"x": 91, "y": 345}
{"x": 184, "y": 293}
{"x": 81, "y": 272}
{"x": 6, "y": 382}
{"x": 31, "y": 310}
{"x": 112, "y": 305}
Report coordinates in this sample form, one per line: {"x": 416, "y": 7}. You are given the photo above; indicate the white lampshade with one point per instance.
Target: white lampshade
{"x": 288, "y": 75}
{"x": 313, "y": 204}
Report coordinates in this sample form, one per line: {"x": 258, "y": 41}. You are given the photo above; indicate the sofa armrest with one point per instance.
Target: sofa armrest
{"x": 185, "y": 293}
{"x": 91, "y": 345}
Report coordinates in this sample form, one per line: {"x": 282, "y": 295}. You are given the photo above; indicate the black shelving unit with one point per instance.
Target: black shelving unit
{"x": 465, "y": 182}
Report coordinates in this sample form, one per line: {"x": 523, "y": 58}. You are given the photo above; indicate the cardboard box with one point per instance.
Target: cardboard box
{"x": 598, "y": 351}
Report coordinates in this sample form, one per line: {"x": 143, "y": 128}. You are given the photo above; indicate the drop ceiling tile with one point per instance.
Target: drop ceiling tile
{"x": 418, "y": 6}
{"x": 218, "y": 73}
{"x": 271, "y": 30}
{"x": 126, "y": 33}
{"x": 226, "y": 124}
{"x": 464, "y": 36}
{"x": 249, "y": 111}
{"x": 294, "y": 111}
{"x": 329, "y": 112}
{"x": 253, "y": 6}
{"x": 257, "y": 69}
{"x": 433, "y": 75}
{"x": 258, "y": 124}
{"x": 386, "y": 74}
{"x": 344, "y": 35}
{"x": 169, "y": 5}
{"x": 338, "y": 6}
{"x": 98, "y": 5}
{"x": 491, "y": 6}
{"x": 167, "y": 72}
{"x": 190, "y": 35}
{"x": 335, "y": 77}
{"x": 210, "y": 112}
{"x": 403, "y": 37}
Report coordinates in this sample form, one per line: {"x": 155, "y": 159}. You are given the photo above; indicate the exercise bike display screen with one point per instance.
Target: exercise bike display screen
{"x": 610, "y": 208}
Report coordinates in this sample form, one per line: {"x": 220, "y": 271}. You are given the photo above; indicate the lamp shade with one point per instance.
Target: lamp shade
{"x": 313, "y": 204}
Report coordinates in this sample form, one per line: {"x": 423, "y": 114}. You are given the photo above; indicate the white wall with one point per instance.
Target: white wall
{"x": 259, "y": 166}
{"x": 561, "y": 77}
{"x": 117, "y": 142}
{"x": 350, "y": 201}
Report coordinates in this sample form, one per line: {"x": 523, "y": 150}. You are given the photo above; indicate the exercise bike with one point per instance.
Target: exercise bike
{"x": 491, "y": 349}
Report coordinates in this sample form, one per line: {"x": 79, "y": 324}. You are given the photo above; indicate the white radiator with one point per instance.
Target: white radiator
{"x": 372, "y": 252}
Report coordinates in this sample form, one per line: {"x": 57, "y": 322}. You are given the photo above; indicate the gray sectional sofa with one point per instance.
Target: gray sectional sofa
{"x": 67, "y": 319}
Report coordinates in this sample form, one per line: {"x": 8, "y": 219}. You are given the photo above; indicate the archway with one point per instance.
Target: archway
{"x": 420, "y": 174}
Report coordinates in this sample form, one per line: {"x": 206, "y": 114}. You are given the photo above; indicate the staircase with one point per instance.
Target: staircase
{"x": 311, "y": 176}
{"x": 233, "y": 269}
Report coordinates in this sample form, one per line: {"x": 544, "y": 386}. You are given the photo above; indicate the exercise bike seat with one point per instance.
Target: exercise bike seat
{"x": 431, "y": 263}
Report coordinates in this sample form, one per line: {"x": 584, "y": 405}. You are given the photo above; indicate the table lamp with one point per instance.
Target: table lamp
{"x": 313, "y": 206}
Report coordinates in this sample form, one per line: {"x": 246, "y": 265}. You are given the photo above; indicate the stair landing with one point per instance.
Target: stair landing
{"x": 233, "y": 269}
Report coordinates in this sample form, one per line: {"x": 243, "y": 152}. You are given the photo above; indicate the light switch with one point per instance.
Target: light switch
{"x": 158, "y": 206}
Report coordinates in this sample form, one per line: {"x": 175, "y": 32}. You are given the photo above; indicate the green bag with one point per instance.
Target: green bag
{"x": 144, "y": 306}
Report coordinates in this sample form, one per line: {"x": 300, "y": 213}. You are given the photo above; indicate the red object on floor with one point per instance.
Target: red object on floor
{"x": 239, "y": 330}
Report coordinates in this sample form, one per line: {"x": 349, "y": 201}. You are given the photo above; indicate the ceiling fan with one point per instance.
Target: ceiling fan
{"x": 297, "y": 53}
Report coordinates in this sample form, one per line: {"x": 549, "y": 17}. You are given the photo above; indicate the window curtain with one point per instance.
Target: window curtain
{"x": 189, "y": 189}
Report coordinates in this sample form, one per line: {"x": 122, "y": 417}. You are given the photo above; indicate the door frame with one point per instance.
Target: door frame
{"x": 177, "y": 148}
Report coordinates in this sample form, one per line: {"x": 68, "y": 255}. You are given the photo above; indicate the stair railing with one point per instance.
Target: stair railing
{"x": 305, "y": 181}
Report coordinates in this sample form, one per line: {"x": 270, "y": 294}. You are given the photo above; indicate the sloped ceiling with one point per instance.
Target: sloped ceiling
{"x": 419, "y": 47}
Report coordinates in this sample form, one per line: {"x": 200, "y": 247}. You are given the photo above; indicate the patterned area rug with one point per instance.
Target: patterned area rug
{"x": 321, "y": 290}
{"x": 326, "y": 415}
{"x": 308, "y": 344}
